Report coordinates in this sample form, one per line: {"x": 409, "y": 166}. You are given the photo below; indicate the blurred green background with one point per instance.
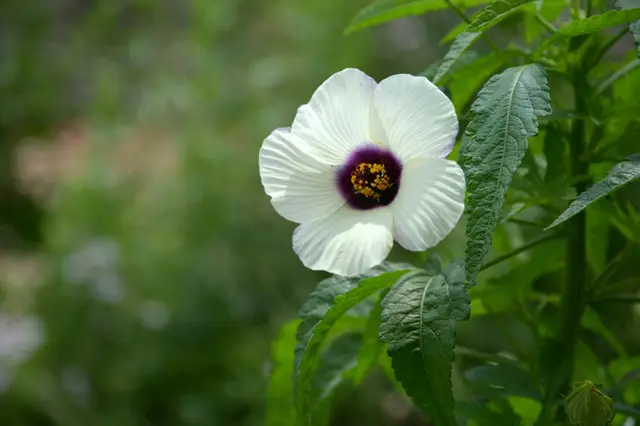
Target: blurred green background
{"x": 143, "y": 272}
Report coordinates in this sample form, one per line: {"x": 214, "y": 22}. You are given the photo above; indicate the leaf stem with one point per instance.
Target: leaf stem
{"x": 519, "y": 250}
{"x": 546, "y": 24}
{"x": 483, "y": 356}
{"x": 617, "y": 75}
{"x": 623, "y": 298}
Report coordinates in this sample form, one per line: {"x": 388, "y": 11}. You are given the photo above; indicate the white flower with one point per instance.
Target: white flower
{"x": 362, "y": 165}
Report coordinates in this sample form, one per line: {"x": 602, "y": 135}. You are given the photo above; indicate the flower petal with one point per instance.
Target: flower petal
{"x": 348, "y": 242}
{"x": 301, "y": 188}
{"x": 429, "y": 203}
{"x": 418, "y": 119}
{"x": 337, "y": 118}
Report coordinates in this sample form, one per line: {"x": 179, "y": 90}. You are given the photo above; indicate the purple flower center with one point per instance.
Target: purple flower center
{"x": 370, "y": 177}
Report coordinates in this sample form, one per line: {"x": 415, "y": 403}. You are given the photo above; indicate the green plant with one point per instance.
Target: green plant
{"x": 549, "y": 154}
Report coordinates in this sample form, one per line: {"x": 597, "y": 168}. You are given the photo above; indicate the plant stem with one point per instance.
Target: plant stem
{"x": 574, "y": 294}
{"x": 519, "y": 250}
{"x": 616, "y": 75}
{"x": 546, "y": 24}
{"x": 483, "y": 356}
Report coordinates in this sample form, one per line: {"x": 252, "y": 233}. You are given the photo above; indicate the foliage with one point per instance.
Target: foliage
{"x": 143, "y": 272}
{"x": 525, "y": 152}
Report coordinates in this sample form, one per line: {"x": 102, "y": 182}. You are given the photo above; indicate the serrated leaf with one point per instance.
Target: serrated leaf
{"x": 371, "y": 347}
{"x": 502, "y": 381}
{"x": 280, "y": 408}
{"x": 466, "y": 82}
{"x": 495, "y": 12}
{"x": 592, "y": 24}
{"x": 503, "y": 117}
{"x": 321, "y": 299}
{"x": 621, "y": 174}
{"x": 418, "y": 322}
{"x": 381, "y": 11}
{"x": 337, "y": 364}
{"x": 342, "y": 303}
{"x": 634, "y": 27}
{"x": 458, "y": 47}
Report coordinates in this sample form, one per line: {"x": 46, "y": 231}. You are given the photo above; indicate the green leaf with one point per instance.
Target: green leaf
{"x": 554, "y": 152}
{"x": 466, "y": 82}
{"x": 371, "y": 347}
{"x": 502, "y": 381}
{"x": 321, "y": 299}
{"x": 458, "y": 47}
{"x": 381, "y": 11}
{"x": 621, "y": 174}
{"x": 337, "y": 364}
{"x": 495, "y": 12}
{"x": 634, "y": 27}
{"x": 592, "y": 24}
{"x": 280, "y": 408}
{"x": 342, "y": 303}
{"x": 503, "y": 117}
{"x": 591, "y": 321}
{"x": 418, "y": 322}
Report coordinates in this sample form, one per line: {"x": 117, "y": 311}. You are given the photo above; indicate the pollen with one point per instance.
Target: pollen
{"x": 370, "y": 180}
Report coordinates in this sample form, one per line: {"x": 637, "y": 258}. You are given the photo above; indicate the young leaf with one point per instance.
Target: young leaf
{"x": 321, "y": 299}
{"x": 592, "y": 24}
{"x": 341, "y": 305}
{"x": 503, "y": 117}
{"x": 634, "y": 27}
{"x": 381, "y": 11}
{"x": 418, "y": 321}
{"x": 371, "y": 347}
{"x": 495, "y": 12}
{"x": 621, "y": 174}
{"x": 458, "y": 47}
{"x": 337, "y": 363}
{"x": 280, "y": 410}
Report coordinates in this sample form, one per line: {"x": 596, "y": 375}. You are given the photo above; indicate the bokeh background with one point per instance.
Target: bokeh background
{"x": 143, "y": 272}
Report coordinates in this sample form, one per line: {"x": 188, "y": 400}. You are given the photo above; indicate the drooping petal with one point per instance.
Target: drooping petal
{"x": 418, "y": 119}
{"x": 346, "y": 243}
{"x": 301, "y": 188}
{"x": 337, "y": 118}
{"x": 429, "y": 203}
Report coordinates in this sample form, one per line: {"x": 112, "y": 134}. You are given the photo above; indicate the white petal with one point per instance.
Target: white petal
{"x": 418, "y": 119}
{"x": 337, "y": 118}
{"x": 301, "y": 188}
{"x": 429, "y": 203}
{"x": 348, "y": 242}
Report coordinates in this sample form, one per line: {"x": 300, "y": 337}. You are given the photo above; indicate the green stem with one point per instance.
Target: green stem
{"x": 546, "y": 24}
{"x": 574, "y": 294}
{"x": 519, "y": 250}
{"x": 617, "y": 75}
{"x": 624, "y": 298}
{"x": 483, "y": 356}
